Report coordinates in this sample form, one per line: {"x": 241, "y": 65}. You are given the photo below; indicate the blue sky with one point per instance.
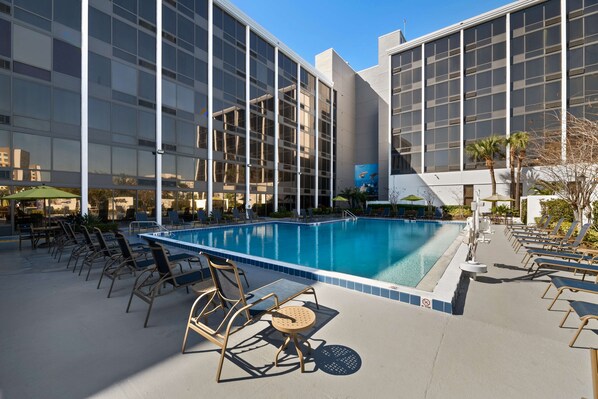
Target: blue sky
{"x": 352, "y": 27}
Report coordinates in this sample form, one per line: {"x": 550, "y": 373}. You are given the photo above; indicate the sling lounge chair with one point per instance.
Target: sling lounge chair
{"x": 228, "y": 296}
{"x": 586, "y": 311}
{"x": 561, "y": 249}
{"x": 542, "y": 225}
{"x": 569, "y": 284}
{"x": 571, "y": 266}
{"x": 202, "y": 217}
{"x": 152, "y": 283}
{"x": 175, "y": 221}
{"x": 535, "y": 238}
{"x": 131, "y": 262}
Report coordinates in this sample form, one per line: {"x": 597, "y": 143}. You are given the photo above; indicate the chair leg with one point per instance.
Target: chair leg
{"x": 149, "y": 310}
{"x": 565, "y": 318}
{"x": 545, "y": 292}
{"x": 221, "y": 362}
{"x": 245, "y": 277}
{"x": 313, "y": 291}
{"x": 581, "y": 326}
{"x": 112, "y": 286}
{"x": 558, "y": 294}
{"x": 130, "y": 299}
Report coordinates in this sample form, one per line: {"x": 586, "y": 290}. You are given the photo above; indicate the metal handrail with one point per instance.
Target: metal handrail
{"x": 349, "y": 214}
{"x": 147, "y": 224}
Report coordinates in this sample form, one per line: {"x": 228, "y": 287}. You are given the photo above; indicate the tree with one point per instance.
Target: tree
{"x": 394, "y": 196}
{"x": 487, "y": 149}
{"x": 517, "y": 143}
{"x": 356, "y": 198}
{"x": 428, "y": 196}
{"x": 572, "y": 172}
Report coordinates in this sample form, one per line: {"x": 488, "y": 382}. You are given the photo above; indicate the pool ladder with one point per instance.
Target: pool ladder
{"x": 349, "y": 214}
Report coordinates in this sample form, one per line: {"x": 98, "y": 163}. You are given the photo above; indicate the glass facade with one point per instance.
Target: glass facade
{"x": 406, "y": 148}
{"x": 40, "y": 103}
{"x": 530, "y": 52}
{"x": 485, "y": 85}
{"x": 536, "y": 70}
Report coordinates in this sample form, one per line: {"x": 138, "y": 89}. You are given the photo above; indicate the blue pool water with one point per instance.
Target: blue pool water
{"x": 393, "y": 251}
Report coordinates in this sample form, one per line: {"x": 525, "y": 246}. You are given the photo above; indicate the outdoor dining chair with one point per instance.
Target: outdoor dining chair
{"x": 228, "y": 296}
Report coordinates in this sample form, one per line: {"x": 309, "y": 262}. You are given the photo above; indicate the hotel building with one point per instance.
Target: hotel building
{"x": 244, "y": 121}
{"x": 189, "y": 101}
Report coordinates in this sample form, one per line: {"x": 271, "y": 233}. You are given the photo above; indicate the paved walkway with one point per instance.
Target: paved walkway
{"x": 60, "y": 337}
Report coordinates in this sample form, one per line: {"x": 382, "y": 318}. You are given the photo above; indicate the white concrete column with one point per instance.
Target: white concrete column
{"x": 332, "y": 143}
{"x": 423, "y": 120}
{"x": 389, "y": 121}
{"x": 508, "y": 82}
{"x": 298, "y": 137}
{"x": 84, "y": 106}
{"x": 247, "y": 118}
{"x": 564, "y": 80}
{"x": 317, "y": 144}
{"x": 276, "y": 129}
{"x": 461, "y": 97}
{"x": 159, "y": 150}
{"x": 210, "y": 159}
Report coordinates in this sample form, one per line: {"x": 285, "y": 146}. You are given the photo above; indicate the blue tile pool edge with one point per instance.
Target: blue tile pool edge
{"x": 442, "y": 303}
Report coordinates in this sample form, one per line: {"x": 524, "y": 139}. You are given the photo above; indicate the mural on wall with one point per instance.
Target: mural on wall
{"x": 366, "y": 178}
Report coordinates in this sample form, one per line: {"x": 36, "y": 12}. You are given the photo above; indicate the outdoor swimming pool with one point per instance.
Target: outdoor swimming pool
{"x": 393, "y": 251}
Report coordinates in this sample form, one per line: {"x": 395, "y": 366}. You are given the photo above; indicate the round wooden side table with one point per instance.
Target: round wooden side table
{"x": 292, "y": 320}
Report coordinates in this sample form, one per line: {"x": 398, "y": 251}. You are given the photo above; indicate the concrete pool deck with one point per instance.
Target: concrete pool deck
{"x": 62, "y": 338}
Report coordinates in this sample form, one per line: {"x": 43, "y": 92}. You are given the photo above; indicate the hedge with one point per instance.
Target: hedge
{"x": 558, "y": 208}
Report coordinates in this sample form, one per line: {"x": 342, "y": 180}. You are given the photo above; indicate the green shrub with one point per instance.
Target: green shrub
{"x": 524, "y": 211}
{"x": 558, "y": 208}
{"x": 457, "y": 211}
{"x": 595, "y": 214}
{"x": 281, "y": 214}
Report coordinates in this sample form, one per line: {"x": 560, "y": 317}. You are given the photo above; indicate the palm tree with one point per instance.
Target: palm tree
{"x": 517, "y": 143}
{"x": 486, "y": 149}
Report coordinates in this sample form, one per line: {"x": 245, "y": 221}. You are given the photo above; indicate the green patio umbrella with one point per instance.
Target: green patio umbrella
{"x": 40, "y": 192}
{"x": 340, "y": 198}
{"x": 412, "y": 198}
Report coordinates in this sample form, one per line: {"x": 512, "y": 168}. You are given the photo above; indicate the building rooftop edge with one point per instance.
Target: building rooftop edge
{"x": 259, "y": 29}
{"x": 487, "y": 16}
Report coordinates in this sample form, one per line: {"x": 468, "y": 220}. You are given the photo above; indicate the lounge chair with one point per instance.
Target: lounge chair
{"x": 175, "y": 221}
{"x": 421, "y": 213}
{"x": 228, "y": 296}
{"x": 151, "y": 283}
{"x": 542, "y": 225}
{"x": 560, "y": 249}
{"x": 569, "y": 284}
{"x": 539, "y": 234}
{"x": 74, "y": 241}
{"x": 401, "y": 213}
{"x": 368, "y": 211}
{"x": 131, "y": 262}
{"x": 586, "y": 312}
{"x": 202, "y": 217}
{"x": 238, "y": 216}
{"x": 571, "y": 266}
{"x": 87, "y": 250}
{"x": 438, "y": 213}
{"x": 303, "y": 214}
{"x": 534, "y": 239}
{"x": 253, "y": 216}
{"x": 217, "y": 215}
{"x": 101, "y": 251}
